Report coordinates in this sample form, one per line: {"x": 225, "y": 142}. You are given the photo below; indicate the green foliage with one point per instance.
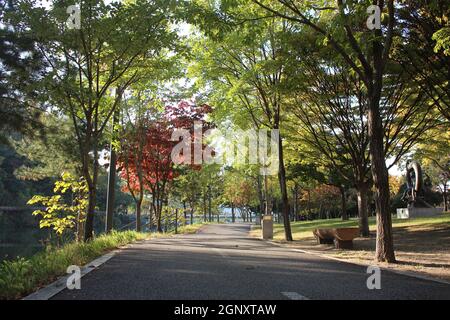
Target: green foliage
{"x": 240, "y": 189}
{"x": 442, "y": 38}
{"x": 48, "y": 157}
{"x": 10, "y": 272}
{"x": 21, "y": 66}
{"x": 14, "y": 191}
{"x": 190, "y": 228}
{"x": 434, "y": 155}
{"x": 118, "y": 43}
{"x": 22, "y": 276}
{"x": 58, "y": 214}
{"x": 169, "y": 218}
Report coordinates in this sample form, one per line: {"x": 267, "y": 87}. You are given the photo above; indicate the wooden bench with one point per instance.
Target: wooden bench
{"x": 341, "y": 237}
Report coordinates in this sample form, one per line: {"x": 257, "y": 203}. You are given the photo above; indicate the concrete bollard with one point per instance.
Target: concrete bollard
{"x": 267, "y": 227}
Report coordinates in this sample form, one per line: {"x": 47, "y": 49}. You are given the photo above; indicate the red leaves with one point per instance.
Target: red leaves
{"x": 146, "y": 151}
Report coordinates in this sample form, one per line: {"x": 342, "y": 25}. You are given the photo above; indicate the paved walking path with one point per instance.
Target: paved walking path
{"x": 222, "y": 262}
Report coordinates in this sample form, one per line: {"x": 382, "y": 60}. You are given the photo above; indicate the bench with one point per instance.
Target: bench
{"x": 341, "y": 237}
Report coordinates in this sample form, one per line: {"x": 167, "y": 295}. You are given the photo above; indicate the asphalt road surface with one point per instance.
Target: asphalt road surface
{"x": 222, "y": 262}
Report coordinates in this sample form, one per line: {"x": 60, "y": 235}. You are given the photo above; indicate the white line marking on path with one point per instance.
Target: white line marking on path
{"x": 294, "y": 296}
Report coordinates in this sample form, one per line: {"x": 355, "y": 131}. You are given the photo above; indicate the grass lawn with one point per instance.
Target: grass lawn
{"x": 303, "y": 229}
{"x": 22, "y": 276}
{"x": 422, "y": 245}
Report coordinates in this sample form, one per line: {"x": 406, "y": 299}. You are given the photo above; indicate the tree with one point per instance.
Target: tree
{"x": 246, "y": 64}
{"x": 21, "y": 67}
{"x": 209, "y": 178}
{"x": 423, "y": 53}
{"x": 325, "y": 198}
{"x": 158, "y": 165}
{"x": 87, "y": 62}
{"x": 131, "y": 150}
{"x": 433, "y": 153}
{"x": 240, "y": 192}
{"x": 367, "y": 54}
{"x": 49, "y": 156}
{"x": 442, "y": 38}
{"x": 60, "y": 213}
{"x": 303, "y": 164}
{"x": 331, "y": 112}
{"x": 146, "y": 159}
{"x": 331, "y": 105}
{"x": 145, "y": 162}
{"x": 337, "y": 180}
{"x": 187, "y": 185}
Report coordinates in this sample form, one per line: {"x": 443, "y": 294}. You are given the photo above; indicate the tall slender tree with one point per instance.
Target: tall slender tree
{"x": 367, "y": 53}
{"x": 246, "y": 65}
{"x": 112, "y": 42}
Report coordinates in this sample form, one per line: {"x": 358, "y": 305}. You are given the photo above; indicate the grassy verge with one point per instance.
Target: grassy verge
{"x": 190, "y": 229}
{"x": 303, "y": 229}
{"x": 421, "y": 244}
{"x": 23, "y": 276}
{"x": 187, "y": 229}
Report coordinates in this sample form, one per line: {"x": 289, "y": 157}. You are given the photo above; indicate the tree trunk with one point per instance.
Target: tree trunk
{"x": 309, "y": 202}
{"x": 295, "y": 212}
{"x": 176, "y": 221}
{"x": 444, "y": 195}
{"x": 343, "y": 204}
{"x": 192, "y": 216}
{"x": 92, "y": 186}
{"x": 89, "y": 224}
{"x": 209, "y": 204}
{"x": 284, "y": 193}
{"x": 111, "y": 193}
{"x": 267, "y": 206}
{"x": 362, "y": 194}
{"x": 138, "y": 215}
{"x": 260, "y": 197}
{"x": 153, "y": 214}
{"x": 204, "y": 208}
{"x": 233, "y": 218}
{"x": 320, "y": 211}
{"x": 384, "y": 243}
{"x": 158, "y": 215}
{"x": 80, "y": 226}
{"x": 184, "y": 212}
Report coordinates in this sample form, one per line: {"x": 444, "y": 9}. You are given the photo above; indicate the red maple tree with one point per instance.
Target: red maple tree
{"x": 145, "y": 159}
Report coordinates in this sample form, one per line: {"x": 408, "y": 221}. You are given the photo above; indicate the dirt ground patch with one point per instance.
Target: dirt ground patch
{"x": 424, "y": 249}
